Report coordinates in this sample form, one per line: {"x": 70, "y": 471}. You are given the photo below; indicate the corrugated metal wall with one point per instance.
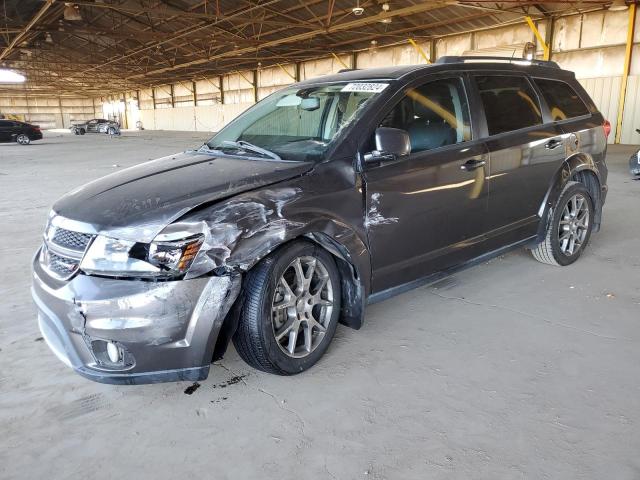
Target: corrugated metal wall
{"x": 48, "y": 112}
{"x": 605, "y": 92}
{"x": 631, "y": 119}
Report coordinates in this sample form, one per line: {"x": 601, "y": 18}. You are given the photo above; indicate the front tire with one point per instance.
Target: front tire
{"x": 569, "y": 228}
{"x": 290, "y": 311}
{"x": 82, "y": 131}
{"x": 23, "y": 139}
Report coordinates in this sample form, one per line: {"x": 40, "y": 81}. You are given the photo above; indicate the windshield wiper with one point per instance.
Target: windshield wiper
{"x": 242, "y": 145}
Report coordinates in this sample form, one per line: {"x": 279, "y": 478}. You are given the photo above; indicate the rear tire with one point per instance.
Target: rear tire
{"x": 569, "y": 227}
{"x": 23, "y": 139}
{"x": 290, "y": 311}
{"x": 111, "y": 131}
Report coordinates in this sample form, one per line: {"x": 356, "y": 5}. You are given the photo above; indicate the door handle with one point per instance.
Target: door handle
{"x": 551, "y": 144}
{"x": 471, "y": 165}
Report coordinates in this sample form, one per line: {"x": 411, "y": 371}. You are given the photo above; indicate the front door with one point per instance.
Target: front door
{"x": 427, "y": 211}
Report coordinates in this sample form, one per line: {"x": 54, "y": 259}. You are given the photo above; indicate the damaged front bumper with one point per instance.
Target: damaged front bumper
{"x": 133, "y": 331}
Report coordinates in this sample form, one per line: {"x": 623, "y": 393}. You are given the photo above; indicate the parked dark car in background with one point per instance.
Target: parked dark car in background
{"x": 97, "y": 125}
{"x": 325, "y": 196}
{"x": 20, "y": 132}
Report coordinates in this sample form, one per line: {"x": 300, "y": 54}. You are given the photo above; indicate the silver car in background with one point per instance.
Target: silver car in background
{"x": 96, "y": 125}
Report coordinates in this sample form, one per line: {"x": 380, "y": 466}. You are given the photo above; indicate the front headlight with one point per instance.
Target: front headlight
{"x": 119, "y": 258}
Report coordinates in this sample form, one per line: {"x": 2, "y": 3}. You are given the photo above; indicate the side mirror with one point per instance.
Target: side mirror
{"x": 391, "y": 143}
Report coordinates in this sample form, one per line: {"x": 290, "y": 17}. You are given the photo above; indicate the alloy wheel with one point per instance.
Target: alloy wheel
{"x": 574, "y": 224}
{"x": 23, "y": 139}
{"x": 302, "y": 306}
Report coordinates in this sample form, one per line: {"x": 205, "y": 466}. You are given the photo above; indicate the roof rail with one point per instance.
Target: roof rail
{"x": 342, "y": 70}
{"x": 520, "y": 61}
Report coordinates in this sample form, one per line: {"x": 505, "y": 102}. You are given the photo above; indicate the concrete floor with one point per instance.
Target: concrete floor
{"x": 511, "y": 369}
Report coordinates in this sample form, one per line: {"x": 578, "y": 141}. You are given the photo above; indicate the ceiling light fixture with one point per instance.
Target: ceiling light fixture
{"x": 357, "y": 10}
{"x": 72, "y": 12}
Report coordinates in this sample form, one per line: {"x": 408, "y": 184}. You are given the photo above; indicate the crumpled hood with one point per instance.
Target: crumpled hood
{"x": 137, "y": 202}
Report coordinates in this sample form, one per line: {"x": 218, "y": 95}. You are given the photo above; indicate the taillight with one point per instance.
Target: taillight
{"x": 607, "y": 128}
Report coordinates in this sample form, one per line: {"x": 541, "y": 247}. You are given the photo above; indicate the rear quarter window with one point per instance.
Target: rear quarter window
{"x": 510, "y": 103}
{"x": 563, "y": 101}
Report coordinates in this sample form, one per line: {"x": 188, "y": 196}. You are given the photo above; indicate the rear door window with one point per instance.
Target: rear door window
{"x": 563, "y": 101}
{"x": 510, "y": 103}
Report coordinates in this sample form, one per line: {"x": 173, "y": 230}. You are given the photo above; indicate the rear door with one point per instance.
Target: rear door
{"x": 525, "y": 148}
{"x": 427, "y": 211}
{"x": 18, "y": 128}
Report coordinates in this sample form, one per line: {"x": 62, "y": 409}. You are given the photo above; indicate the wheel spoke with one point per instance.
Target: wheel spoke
{"x": 311, "y": 268}
{"x": 293, "y": 339}
{"x": 321, "y": 285}
{"x": 308, "y": 336}
{"x": 287, "y": 288}
{"x": 300, "y": 280}
{"x": 321, "y": 328}
{"x": 282, "y": 306}
{"x": 286, "y": 328}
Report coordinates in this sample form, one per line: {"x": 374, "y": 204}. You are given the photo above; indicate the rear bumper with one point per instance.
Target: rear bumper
{"x": 35, "y": 136}
{"x": 164, "y": 331}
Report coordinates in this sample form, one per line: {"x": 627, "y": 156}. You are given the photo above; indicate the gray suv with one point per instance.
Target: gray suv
{"x": 325, "y": 196}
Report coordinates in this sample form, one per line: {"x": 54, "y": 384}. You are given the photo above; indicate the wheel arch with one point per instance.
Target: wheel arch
{"x": 353, "y": 287}
{"x": 579, "y": 167}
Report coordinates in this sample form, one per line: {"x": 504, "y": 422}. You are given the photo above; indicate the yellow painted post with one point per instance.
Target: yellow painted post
{"x": 627, "y": 66}
{"x": 419, "y": 50}
{"x": 535, "y": 31}
{"x": 339, "y": 60}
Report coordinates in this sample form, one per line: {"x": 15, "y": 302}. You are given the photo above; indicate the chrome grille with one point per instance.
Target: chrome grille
{"x": 60, "y": 266}
{"x": 72, "y": 240}
{"x": 63, "y": 250}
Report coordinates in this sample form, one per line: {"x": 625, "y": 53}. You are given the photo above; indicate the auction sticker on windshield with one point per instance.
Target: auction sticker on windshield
{"x": 364, "y": 87}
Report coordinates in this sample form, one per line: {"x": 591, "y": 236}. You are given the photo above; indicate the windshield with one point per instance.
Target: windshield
{"x": 295, "y": 123}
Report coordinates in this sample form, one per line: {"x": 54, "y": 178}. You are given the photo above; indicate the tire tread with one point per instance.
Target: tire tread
{"x": 247, "y": 340}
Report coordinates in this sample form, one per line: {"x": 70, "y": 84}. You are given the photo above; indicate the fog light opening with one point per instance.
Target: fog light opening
{"x": 113, "y": 352}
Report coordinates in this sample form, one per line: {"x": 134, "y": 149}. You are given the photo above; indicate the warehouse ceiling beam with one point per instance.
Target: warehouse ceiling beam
{"x": 20, "y": 36}
{"x": 422, "y": 7}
